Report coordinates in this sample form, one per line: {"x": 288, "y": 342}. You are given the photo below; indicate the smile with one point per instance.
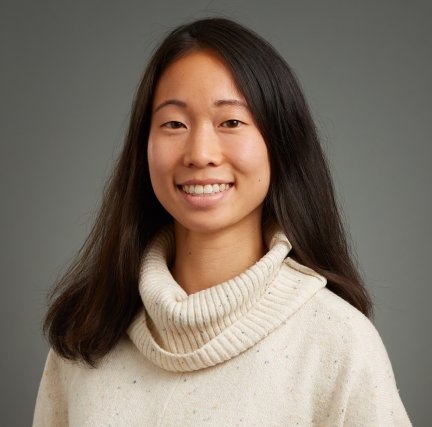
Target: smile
{"x": 205, "y": 190}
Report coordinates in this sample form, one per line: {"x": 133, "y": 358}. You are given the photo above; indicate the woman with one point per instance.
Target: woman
{"x": 216, "y": 287}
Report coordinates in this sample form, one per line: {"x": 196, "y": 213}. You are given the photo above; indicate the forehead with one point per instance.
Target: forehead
{"x": 197, "y": 74}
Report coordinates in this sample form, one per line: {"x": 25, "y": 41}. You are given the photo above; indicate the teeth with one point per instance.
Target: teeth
{"x": 205, "y": 189}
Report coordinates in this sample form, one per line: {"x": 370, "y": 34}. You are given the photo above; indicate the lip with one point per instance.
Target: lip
{"x": 204, "y": 182}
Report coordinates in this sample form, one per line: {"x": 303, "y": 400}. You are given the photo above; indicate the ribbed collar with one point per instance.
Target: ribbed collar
{"x": 180, "y": 332}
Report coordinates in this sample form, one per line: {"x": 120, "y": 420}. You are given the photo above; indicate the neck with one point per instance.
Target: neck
{"x": 203, "y": 260}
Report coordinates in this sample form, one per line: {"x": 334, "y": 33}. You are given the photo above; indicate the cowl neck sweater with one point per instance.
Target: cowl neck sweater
{"x": 180, "y": 332}
{"x": 270, "y": 347}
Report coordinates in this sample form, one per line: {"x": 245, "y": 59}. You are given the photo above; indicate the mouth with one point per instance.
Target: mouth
{"x": 205, "y": 190}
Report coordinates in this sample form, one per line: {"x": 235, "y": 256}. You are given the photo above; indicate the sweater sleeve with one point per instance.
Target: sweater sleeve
{"x": 374, "y": 398}
{"x": 51, "y": 408}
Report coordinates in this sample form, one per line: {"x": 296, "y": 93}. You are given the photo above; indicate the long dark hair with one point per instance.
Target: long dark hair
{"x": 95, "y": 301}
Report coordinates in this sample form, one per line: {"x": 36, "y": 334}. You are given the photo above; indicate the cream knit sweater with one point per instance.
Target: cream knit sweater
{"x": 270, "y": 348}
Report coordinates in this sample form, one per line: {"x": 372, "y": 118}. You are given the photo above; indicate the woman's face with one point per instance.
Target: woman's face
{"x": 208, "y": 161}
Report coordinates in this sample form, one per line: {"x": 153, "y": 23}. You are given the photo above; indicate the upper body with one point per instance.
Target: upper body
{"x": 271, "y": 347}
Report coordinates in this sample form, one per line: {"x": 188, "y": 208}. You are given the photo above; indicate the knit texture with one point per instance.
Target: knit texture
{"x": 271, "y": 347}
{"x": 181, "y": 332}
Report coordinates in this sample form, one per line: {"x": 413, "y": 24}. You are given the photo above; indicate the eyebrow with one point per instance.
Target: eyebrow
{"x": 175, "y": 102}
{"x": 233, "y": 102}
{"x": 219, "y": 103}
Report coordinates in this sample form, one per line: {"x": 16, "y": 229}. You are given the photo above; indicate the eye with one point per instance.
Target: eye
{"x": 232, "y": 123}
{"x": 173, "y": 124}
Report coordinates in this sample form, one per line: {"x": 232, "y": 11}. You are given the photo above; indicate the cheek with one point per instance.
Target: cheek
{"x": 157, "y": 170}
{"x": 254, "y": 160}
{"x": 262, "y": 168}
{"x": 152, "y": 152}
{"x": 159, "y": 160}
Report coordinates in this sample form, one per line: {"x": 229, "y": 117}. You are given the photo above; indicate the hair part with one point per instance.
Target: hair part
{"x": 95, "y": 301}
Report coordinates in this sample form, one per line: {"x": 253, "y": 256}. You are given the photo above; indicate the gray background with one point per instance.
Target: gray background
{"x": 68, "y": 74}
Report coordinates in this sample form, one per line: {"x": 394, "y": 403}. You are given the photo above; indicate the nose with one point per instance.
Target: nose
{"x": 202, "y": 148}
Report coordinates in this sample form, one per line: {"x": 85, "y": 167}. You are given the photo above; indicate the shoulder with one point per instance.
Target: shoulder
{"x": 366, "y": 369}
{"x": 61, "y": 376}
{"x": 64, "y": 370}
{"x": 58, "y": 368}
{"x": 321, "y": 319}
{"x": 345, "y": 315}
{"x": 338, "y": 325}
{"x": 340, "y": 312}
